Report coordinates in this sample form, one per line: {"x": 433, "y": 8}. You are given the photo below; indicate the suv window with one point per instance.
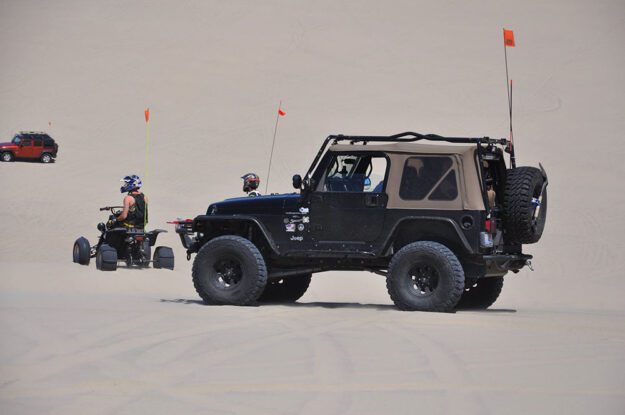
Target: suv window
{"x": 431, "y": 177}
{"x": 355, "y": 173}
{"x": 37, "y": 142}
{"x": 26, "y": 142}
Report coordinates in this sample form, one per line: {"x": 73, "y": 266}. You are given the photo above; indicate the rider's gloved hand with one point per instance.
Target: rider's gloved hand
{"x": 111, "y": 223}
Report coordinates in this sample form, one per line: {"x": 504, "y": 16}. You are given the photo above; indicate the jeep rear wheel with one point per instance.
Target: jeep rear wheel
{"x": 481, "y": 295}
{"x": 285, "y": 290}
{"x": 524, "y": 205}
{"x": 7, "y": 156}
{"x": 46, "y": 158}
{"x": 229, "y": 270}
{"x": 425, "y": 276}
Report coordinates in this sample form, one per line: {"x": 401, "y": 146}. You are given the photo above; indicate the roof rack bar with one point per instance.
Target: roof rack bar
{"x": 410, "y": 136}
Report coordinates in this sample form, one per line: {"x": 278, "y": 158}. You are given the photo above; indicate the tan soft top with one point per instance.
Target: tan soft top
{"x": 463, "y": 156}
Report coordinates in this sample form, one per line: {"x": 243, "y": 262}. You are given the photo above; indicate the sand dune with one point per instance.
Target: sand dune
{"x": 76, "y": 340}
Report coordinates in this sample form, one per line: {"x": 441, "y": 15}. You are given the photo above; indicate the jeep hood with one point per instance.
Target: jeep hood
{"x": 7, "y": 144}
{"x": 256, "y": 205}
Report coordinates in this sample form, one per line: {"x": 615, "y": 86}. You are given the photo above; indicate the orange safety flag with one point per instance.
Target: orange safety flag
{"x": 508, "y": 38}
{"x": 281, "y": 112}
{"x": 147, "y": 115}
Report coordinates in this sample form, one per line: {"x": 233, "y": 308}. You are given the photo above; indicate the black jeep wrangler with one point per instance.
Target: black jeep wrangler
{"x": 443, "y": 221}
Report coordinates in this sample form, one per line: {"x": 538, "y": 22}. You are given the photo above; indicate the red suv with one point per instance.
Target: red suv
{"x": 29, "y": 145}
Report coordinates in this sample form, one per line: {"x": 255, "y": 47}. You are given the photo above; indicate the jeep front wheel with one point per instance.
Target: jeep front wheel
{"x": 425, "y": 276}
{"x": 7, "y": 156}
{"x": 285, "y": 290}
{"x": 229, "y": 270}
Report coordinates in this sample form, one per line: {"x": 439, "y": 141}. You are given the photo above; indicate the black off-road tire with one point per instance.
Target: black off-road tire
{"x": 164, "y": 257}
{"x": 285, "y": 290}
{"x": 481, "y": 295}
{"x": 521, "y": 225}
{"x": 82, "y": 251}
{"x": 229, "y": 270}
{"x": 46, "y": 158}
{"x": 106, "y": 258}
{"x": 7, "y": 156}
{"x": 422, "y": 264}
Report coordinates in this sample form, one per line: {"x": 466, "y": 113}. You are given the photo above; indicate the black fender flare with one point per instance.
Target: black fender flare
{"x": 236, "y": 218}
{"x": 447, "y": 221}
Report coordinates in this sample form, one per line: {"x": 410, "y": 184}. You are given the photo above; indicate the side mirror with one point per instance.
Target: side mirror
{"x": 297, "y": 181}
{"x": 101, "y": 227}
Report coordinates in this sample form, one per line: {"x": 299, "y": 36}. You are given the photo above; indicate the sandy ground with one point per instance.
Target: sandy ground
{"x": 78, "y": 341}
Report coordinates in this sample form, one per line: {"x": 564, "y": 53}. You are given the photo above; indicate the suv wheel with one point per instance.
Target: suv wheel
{"x": 7, "y": 156}
{"x": 425, "y": 276}
{"x": 46, "y": 158}
{"x": 524, "y": 205}
{"x": 285, "y": 290}
{"x": 229, "y": 270}
{"x": 482, "y": 294}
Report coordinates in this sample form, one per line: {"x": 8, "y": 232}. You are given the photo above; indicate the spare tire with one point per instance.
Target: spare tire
{"x": 524, "y": 205}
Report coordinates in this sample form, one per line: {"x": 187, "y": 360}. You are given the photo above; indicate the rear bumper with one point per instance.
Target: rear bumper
{"x": 500, "y": 264}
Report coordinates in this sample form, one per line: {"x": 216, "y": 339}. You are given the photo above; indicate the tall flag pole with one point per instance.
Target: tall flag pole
{"x": 147, "y": 154}
{"x": 508, "y": 41}
{"x": 281, "y": 113}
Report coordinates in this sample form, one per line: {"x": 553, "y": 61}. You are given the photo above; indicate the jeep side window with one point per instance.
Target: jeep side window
{"x": 37, "y": 142}
{"x": 431, "y": 177}
{"x": 353, "y": 173}
{"x": 26, "y": 142}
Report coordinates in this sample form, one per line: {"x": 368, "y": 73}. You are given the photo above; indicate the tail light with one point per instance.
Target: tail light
{"x": 490, "y": 226}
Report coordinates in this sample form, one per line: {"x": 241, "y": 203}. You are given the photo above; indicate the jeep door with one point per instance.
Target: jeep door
{"x": 349, "y": 203}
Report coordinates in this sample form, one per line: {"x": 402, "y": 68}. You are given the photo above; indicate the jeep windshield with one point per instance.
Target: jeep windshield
{"x": 16, "y": 140}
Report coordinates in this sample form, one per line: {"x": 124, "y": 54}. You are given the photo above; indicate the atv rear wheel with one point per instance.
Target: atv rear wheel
{"x": 285, "y": 290}
{"x": 425, "y": 276}
{"x": 164, "y": 257}
{"x": 106, "y": 258}
{"x": 82, "y": 251}
{"x": 524, "y": 205}
{"x": 481, "y": 295}
{"x": 229, "y": 270}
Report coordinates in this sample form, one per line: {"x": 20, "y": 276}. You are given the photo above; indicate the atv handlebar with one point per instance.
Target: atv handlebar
{"x": 110, "y": 208}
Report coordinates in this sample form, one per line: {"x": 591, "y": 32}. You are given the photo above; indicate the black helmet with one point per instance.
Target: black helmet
{"x": 250, "y": 182}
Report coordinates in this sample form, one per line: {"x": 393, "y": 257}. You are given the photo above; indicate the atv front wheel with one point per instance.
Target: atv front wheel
{"x": 82, "y": 251}
{"x": 106, "y": 258}
{"x": 229, "y": 270}
{"x": 425, "y": 276}
{"x": 481, "y": 295}
{"x": 285, "y": 290}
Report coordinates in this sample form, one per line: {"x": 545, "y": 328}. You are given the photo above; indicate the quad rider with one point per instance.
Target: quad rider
{"x": 135, "y": 210}
{"x": 250, "y": 184}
